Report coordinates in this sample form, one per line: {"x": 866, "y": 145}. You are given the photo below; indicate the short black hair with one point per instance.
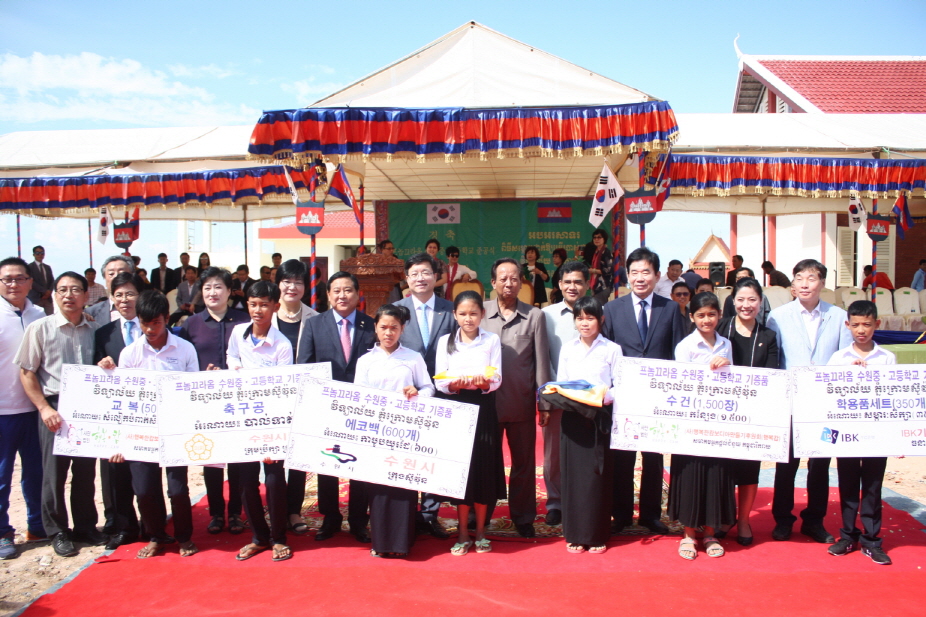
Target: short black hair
{"x": 704, "y": 281}
{"x": 749, "y": 282}
{"x": 262, "y": 268}
{"x": 16, "y": 261}
{"x": 89, "y": 270}
{"x": 136, "y": 260}
{"x": 434, "y": 240}
{"x": 867, "y": 269}
{"x": 126, "y": 278}
{"x": 213, "y": 272}
{"x": 504, "y": 260}
{"x": 752, "y": 274}
{"x": 37, "y": 247}
{"x": 863, "y": 308}
{"x": 382, "y": 245}
{"x": 72, "y": 275}
{"x": 465, "y": 296}
{"x": 574, "y": 266}
{"x": 280, "y": 255}
{"x": 674, "y": 262}
{"x": 162, "y": 255}
{"x": 705, "y": 299}
{"x": 184, "y": 254}
{"x": 922, "y": 261}
{"x": 243, "y": 267}
{"x": 679, "y": 284}
{"x": 740, "y": 257}
{"x": 344, "y": 275}
{"x": 532, "y": 248}
{"x": 450, "y": 250}
{"x": 810, "y": 264}
{"x": 420, "y": 258}
{"x": 188, "y": 268}
{"x": 292, "y": 269}
{"x": 264, "y": 289}
{"x": 602, "y": 233}
{"x": 767, "y": 264}
{"x": 152, "y": 304}
{"x": 393, "y": 310}
{"x": 561, "y": 253}
{"x": 643, "y": 254}
{"x": 590, "y": 306}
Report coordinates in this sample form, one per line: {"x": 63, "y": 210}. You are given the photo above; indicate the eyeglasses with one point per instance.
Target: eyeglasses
{"x": 129, "y": 295}
{"x": 453, "y": 255}
{"x": 291, "y": 283}
{"x": 38, "y": 252}
{"x": 19, "y": 280}
{"x": 682, "y": 294}
{"x": 426, "y": 274}
{"x": 63, "y": 291}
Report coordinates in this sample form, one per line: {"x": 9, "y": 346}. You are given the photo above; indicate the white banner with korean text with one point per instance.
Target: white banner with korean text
{"x": 107, "y": 412}
{"x": 215, "y": 417}
{"x": 735, "y": 412}
{"x": 855, "y": 411}
{"x": 379, "y": 436}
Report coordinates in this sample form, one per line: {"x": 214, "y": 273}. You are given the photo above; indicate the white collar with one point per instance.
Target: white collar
{"x": 418, "y": 304}
{"x": 649, "y": 299}
{"x": 171, "y": 342}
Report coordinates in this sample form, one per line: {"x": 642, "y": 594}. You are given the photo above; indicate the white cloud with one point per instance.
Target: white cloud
{"x": 207, "y": 70}
{"x": 90, "y": 87}
{"x": 309, "y": 90}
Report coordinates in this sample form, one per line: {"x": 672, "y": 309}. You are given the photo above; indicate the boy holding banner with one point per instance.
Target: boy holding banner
{"x": 865, "y": 471}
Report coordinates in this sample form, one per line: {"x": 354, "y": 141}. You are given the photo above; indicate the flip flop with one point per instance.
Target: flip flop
{"x": 597, "y": 550}
{"x": 249, "y": 550}
{"x": 461, "y": 548}
{"x": 575, "y": 549}
{"x": 158, "y": 548}
{"x": 484, "y": 546}
{"x": 277, "y": 548}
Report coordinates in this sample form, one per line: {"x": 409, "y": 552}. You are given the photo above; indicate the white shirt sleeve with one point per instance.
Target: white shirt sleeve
{"x": 422, "y": 379}
{"x": 233, "y": 355}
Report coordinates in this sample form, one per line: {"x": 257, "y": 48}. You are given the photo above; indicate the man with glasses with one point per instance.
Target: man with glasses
{"x": 560, "y": 324}
{"x": 809, "y": 332}
{"x": 432, "y": 317}
{"x": 49, "y": 343}
{"x": 42, "y": 281}
{"x": 456, "y": 271}
{"x": 18, "y": 416}
{"x": 106, "y": 311}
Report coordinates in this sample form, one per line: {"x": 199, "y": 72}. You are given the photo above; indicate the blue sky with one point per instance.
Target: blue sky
{"x": 79, "y": 65}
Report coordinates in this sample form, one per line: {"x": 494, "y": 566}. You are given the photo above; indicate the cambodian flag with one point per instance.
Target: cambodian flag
{"x": 339, "y": 188}
{"x": 902, "y": 210}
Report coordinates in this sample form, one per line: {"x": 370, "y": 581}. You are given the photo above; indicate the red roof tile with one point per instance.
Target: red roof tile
{"x": 856, "y": 86}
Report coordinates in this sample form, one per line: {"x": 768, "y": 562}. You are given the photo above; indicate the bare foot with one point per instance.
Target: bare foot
{"x": 188, "y": 549}
{"x": 149, "y": 550}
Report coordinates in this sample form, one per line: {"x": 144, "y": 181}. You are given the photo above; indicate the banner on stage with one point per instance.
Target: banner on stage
{"x": 107, "y": 412}
{"x": 379, "y": 436}
{"x": 856, "y": 411}
{"x": 735, "y": 412}
{"x": 215, "y": 417}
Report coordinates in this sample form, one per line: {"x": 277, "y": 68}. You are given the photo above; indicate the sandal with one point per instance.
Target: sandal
{"x": 249, "y": 550}
{"x": 215, "y": 525}
{"x": 236, "y": 525}
{"x": 712, "y": 547}
{"x": 575, "y": 548}
{"x": 484, "y": 546}
{"x": 597, "y": 550}
{"x": 150, "y": 550}
{"x": 688, "y": 549}
{"x": 188, "y": 549}
{"x": 300, "y": 528}
{"x": 461, "y": 548}
{"x": 281, "y": 552}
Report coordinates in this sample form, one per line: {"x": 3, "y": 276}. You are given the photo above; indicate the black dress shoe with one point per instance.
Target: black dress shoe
{"x": 745, "y": 540}
{"x": 818, "y": 534}
{"x": 63, "y": 545}
{"x": 554, "y": 517}
{"x": 326, "y": 532}
{"x": 437, "y": 530}
{"x": 93, "y": 537}
{"x": 618, "y": 526}
{"x": 526, "y": 530}
{"x": 781, "y": 532}
{"x": 361, "y": 535}
{"x": 121, "y": 538}
{"x": 655, "y": 526}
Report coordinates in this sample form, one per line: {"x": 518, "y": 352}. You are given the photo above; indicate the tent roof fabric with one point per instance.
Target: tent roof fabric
{"x": 477, "y": 67}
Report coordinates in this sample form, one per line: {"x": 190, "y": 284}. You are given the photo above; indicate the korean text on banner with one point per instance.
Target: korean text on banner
{"x": 215, "y": 417}
{"x": 736, "y": 412}
{"x": 108, "y": 412}
{"x": 859, "y": 411}
{"x": 379, "y": 436}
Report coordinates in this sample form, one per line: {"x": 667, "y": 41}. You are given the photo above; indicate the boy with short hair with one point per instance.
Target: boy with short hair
{"x": 867, "y": 471}
{"x": 258, "y": 344}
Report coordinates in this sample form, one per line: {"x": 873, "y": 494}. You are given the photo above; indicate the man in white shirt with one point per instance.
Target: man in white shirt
{"x": 19, "y": 428}
{"x": 560, "y": 324}
{"x": 95, "y": 291}
{"x": 664, "y": 285}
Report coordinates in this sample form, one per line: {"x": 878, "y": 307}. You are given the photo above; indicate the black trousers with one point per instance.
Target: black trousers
{"x": 650, "y": 486}
{"x": 110, "y": 524}
{"x": 522, "y": 481}
{"x": 295, "y": 491}
{"x": 122, "y": 497}
{"x": 54, "y": 477}
{"x": 818, "y": 489}
{"x": 146, "y": 481}
{"x": 867, "y": 473}
{"x": 430, "y": 506}
{"x": 214, "y": 478}
{"x": 358, "y": 500}
{"x": 275, "y": 482}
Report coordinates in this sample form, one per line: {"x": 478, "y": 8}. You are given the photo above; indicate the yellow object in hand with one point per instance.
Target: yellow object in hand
{"x": 489, "y": 373}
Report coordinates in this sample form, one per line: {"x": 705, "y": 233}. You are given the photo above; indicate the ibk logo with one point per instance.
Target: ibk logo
{"x": 914, "y": 432}
{"x": 831, "y": 435}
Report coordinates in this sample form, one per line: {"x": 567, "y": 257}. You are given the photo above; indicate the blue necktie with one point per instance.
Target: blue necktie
{"x": 129, "y": 333}
{"x": 425, "y": 328}
{"x": 642, "y": 325}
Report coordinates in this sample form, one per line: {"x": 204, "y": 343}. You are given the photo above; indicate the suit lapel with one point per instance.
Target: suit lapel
{"x": 331, "y": 326}
{"x": 655, "y": 314}
{"x": 360, "y": 327}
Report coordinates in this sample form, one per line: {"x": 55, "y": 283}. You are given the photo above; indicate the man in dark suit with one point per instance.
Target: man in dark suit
{"x": 105, "y": 311}
{"x": 109, "y": 341}
{"x": 434, "y": 316}
{"x": 645, "y": 325}
{"x": 737, "y": 262}
{"x": 184, "y": 262}
{"x": 340, "y": 336}
{"x": 164, "y": 279}
{"x": 42, "y": 281}
{"x": 240, "y": 285}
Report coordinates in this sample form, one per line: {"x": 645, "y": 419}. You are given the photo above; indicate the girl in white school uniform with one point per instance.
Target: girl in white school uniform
{"x": 701, "y": 488}
{"x": 390, "y": 366}
{"x": 464, "y": 356}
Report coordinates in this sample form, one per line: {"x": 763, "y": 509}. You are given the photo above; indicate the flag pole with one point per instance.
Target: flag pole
{"x": 19, "y": 244}
{"x": 361, "y": 250}
{"x": 642, "y": 234}
{"x": 314, "y": 273}
{"x": 90, "y": 240}
{"x": 874, "y": 256}
{"x": 244, "y": 210}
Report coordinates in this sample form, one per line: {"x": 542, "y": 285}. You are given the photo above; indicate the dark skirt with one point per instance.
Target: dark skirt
{"x": 744, "y": 472}
{"x": 701, "y": 491}
{"x": 486, "y": 481}
{"x": 587, "y": 477}
{"x": 392, "y": 518}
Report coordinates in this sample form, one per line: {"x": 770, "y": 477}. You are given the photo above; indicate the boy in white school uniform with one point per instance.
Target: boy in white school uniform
{"x": 865, "y": 471}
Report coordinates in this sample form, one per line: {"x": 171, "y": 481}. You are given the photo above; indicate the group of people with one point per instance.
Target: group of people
{"x": 491, "y": 353}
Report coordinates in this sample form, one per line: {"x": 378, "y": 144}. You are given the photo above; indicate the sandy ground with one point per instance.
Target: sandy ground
{"x": 38, "y": 568}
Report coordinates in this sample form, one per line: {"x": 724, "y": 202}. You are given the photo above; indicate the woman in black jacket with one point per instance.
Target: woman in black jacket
{"x": 753, "y": 345}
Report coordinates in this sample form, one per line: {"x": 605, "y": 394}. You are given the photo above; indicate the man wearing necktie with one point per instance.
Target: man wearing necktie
{"x": 42, "y": 281}
{"x": 340, "y": 335}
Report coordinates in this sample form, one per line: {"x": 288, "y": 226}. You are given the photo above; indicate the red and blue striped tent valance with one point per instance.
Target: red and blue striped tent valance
{"x": 701, "y": 175}
{"x": 200, "y": 188}
{"x": 454, "y": 133}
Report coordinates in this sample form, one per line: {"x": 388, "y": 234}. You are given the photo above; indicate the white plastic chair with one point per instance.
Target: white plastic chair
{"x": 850, "y": 295}
{"x": 172, "y": 300}
{"x": 722, "y": 293}
{"x": 828, "y": 295}
{"x": 906, "y": 301}
{"x": 777, "y": 296}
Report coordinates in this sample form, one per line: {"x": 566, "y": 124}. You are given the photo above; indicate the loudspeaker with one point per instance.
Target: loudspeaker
{"x": 717, "y": 273}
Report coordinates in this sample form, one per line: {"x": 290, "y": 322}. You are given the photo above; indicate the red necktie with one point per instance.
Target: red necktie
{"x": 345, "y": 340}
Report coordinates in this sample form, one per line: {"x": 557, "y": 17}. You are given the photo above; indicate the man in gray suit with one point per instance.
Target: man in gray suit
{"x": 42, "y": 281}
{"x": 432, "y": 317}
{"x": 809, "y": 332}
{"x": 104, "y": 312}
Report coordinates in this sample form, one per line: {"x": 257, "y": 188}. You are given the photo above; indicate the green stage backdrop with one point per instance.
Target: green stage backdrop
{"x": 488, "y": 230}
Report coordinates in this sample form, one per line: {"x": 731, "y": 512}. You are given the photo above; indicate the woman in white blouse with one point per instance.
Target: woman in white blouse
{"x": 465, "y": 357}
{"x": 389, "y": 366}
{"x": 585, "y": 462}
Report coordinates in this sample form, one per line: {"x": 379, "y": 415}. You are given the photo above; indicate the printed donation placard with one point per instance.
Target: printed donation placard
{"x": 214, "y": 417}
{"x": 859, "y": 411}
{"x": 735, "y": 412}
{"x": 379, "y": 436}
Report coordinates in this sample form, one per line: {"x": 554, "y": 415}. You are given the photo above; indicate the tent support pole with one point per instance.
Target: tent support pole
{"x": 244, "y": 209}
{"x": 90, "y": 241}
{"x": 361, "y": 250}
{"x": 313, "y": 268}
{"x": 19, "y": 243}
{"x": 642, "y": 235}
{"x": 764, "y": 239}
{"x": 874, "y": 256}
